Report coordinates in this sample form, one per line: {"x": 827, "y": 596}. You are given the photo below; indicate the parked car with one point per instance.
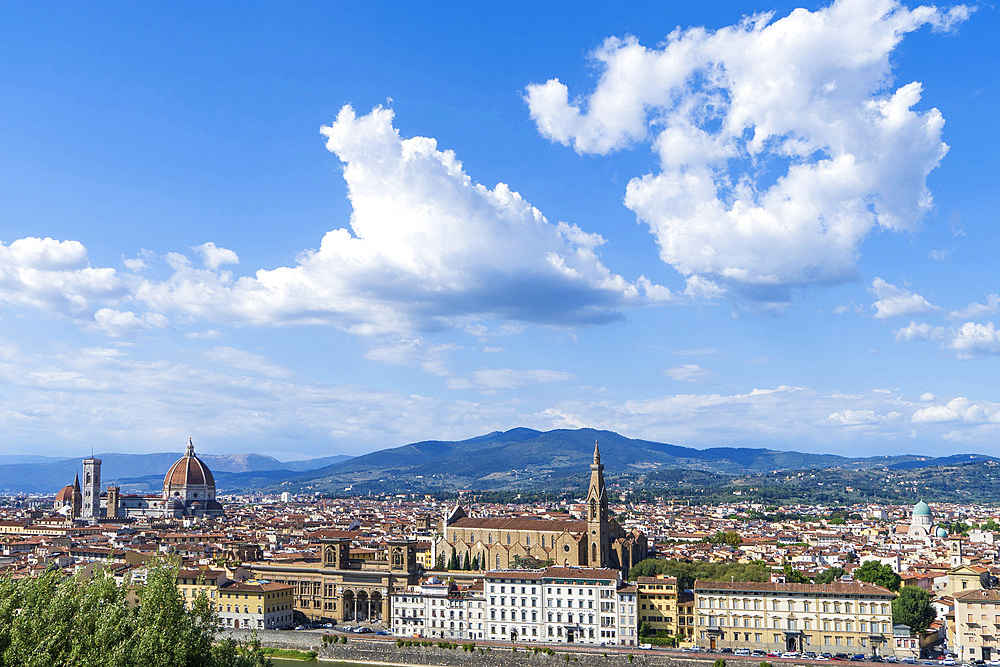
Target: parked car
{"x": 858, "y": 657}
{"x": 840, "y": 656}
{"x": 773, "y": 654}
{"x": 757, "y": 653}
{"x": 809, "y": 655}
{"x": 361, "y": 630}
{"x": 741, "y": 651}
{"x": 725, "y": 649}
{"x": 909, "y": 660}
{"x": 790, "y": 654}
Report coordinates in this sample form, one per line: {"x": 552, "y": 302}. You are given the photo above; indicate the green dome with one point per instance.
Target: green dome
{"x": 921, "y": 509}
{"x": 941, "y": 532}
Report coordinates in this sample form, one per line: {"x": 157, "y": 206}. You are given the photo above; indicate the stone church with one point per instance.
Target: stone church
{"x": 498, "y": 542}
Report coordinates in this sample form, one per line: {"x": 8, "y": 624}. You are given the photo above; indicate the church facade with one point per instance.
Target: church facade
{"x": 502, "y": 542}
{"x": 188, "y": 491}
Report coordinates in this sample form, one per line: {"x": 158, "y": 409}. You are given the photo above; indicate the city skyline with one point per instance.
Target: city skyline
{"x": 315, "y": 230}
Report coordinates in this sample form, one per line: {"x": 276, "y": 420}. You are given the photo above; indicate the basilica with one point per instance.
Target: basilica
{"x": 499, "y": 542}
{"x": 188, "y": 491}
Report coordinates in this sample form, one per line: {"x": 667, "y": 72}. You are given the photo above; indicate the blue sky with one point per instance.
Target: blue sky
{"x": 326, "y": 228}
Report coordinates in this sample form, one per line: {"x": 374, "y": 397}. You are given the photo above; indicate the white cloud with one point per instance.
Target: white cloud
{"x": 978, "y": 310}
{"x": 975, "y": 340}
{"x": 781, "y": 144}
{"x": 492, "y": 379}
{"x": 125, "y": 323}
{"x": 689, "y": 373}
{"x": 893, "y": 301}
{"x": 959, "y": 410}
{"x": 428, "y": 248}
{"x": 246, "y": 361}
{"x": 214, "y": 256}
{"x": 54, "y": 276}
{"x": 919, "y": 331}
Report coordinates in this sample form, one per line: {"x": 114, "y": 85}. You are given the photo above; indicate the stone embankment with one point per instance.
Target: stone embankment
{"x": 386, "y": 651}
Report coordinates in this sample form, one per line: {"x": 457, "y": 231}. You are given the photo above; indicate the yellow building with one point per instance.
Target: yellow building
{"x": 259, "y": 605}
{"x": 658, "y": 608}
{"x": 977, "y": 625}
{"x": 841, "y": 617}
{"x": 193, "y": 582}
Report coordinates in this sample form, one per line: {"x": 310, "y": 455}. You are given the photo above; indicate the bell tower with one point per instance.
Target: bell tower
{"x": 91, "y": 489}
{"x": 597, "y": 514}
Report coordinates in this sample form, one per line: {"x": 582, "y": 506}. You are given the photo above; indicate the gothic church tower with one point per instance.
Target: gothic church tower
{"x": 597, "y": 514}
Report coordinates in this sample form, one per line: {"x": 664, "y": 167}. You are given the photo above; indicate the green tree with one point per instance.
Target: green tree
{"x": 793, "y": 576}
{"x": 876, "y": 573}
{"x": 830, "y": 575}
{"x": 730, "y": 537}
{"x": 913, "y": 608}
{"x": 57, "y": 620}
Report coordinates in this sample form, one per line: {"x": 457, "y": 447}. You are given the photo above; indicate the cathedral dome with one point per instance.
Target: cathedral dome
{"x": 65, "y": 494}
{"x": 921, "y": 509}
{"x": 189, "y": 472}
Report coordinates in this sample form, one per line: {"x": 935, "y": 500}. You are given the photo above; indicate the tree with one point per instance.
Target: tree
{"x": 793, "y": 576}
{"x": 57, "y": 620}
{"x": 830, "y": 575}
{"x": 730, "y": 537}
{"x": 913, "y": 608}
{"x": 876, "y": 573}
{"x": 645, "y": 630}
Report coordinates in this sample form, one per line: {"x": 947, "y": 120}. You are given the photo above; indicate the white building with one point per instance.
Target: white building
{"x": 438, "y": 610}
{"x": 559, "y": 604}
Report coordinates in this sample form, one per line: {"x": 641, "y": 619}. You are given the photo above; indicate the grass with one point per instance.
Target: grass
{"x": 290, "y": 654}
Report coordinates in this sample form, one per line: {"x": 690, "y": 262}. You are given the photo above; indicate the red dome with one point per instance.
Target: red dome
{"x": 189, "y": 470}
{"x": 65, "y": 494}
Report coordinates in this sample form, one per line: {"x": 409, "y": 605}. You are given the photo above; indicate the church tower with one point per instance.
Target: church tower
{"x": 597, "y": 514}
{"x": 77, "y": 497}
{"x": 91, "y": 489}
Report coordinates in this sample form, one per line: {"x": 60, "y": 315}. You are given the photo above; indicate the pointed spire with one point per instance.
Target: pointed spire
{"x": 597, "y": 453}
{"x": 190, "y": 448}
{"x": 76, "y": 482}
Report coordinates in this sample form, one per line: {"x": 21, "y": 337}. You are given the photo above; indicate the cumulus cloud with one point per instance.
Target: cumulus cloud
{"x": 959, "y": 410}
{"x": 975, "y": 340}
{"x": 978, "y": 310}
{"x": 689, "y": 373}
{"x": 427, "y": 246}
{"x": 781, "y": 143}
{"x": 893, "y": 301}
{"x": 54, "y": 276}
{"x": 214, "y": 256}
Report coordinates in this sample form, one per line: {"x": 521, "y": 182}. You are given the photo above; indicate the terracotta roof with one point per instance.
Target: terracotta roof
{"x": 65, "y": 494}
{"x": 838, "y": 587}
{"x": 190, "y": 471}
{"x": 981, "y": 595}
{"x": 520, "y": 523}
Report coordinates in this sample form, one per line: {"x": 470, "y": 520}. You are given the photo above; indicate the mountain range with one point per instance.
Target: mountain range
{"x": 526, "y": 460}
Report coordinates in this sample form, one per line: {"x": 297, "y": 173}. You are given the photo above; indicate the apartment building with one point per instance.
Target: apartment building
{"x": 255, "y": 604}
{"x": 844, "y": 616}
{"x": 559, "y": 604}
{"x": 439, "y": 610}
{"x": 658, "y": 605}
{"x": 977, "y": 625}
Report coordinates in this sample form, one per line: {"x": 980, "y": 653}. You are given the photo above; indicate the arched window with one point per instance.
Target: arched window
{"x": 508, "y": 538}
{"x": 593, "y": 551}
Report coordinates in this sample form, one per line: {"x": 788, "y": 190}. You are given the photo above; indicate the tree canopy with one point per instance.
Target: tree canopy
{"x": 876, "y": 573}
{"x": 830, "y": 575}
{"x": 55, "y": 620}
{"x": 687, "y": 572}
{"x": 913, "y": 608}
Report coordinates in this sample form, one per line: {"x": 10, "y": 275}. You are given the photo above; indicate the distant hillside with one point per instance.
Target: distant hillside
{"x": 525, "y": 459}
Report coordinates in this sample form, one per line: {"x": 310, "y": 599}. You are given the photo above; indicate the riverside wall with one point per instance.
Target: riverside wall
{"x": 386, "y": 651}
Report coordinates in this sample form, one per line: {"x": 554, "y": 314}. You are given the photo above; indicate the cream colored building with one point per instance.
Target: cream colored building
{"x": 977, "y": 625}
{"x": 841, "y": 617}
